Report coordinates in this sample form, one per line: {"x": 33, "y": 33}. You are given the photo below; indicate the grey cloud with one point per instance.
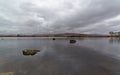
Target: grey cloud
{"x": 60, "y": 16}
{"x": 96, "y": 11}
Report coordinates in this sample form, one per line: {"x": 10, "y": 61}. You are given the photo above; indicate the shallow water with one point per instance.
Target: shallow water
{"x": 59, "y": 57}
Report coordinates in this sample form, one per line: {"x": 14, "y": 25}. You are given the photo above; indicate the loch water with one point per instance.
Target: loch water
{"x": 86, "y": 56}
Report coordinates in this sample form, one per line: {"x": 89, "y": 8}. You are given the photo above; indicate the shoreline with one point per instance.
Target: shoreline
{"x": 66, "y": 36}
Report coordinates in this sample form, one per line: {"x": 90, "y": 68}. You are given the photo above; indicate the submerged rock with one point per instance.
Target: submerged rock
{"x": 30, "y": 52}
{"x": 53, "y": 39}
{"x": 72, "y": 41}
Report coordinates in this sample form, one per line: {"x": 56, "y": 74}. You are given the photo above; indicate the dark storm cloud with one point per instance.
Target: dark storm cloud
{"x": 59, "y": 16}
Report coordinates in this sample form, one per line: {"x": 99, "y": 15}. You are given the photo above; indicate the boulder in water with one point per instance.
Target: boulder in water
{"x": 30, "y": 52}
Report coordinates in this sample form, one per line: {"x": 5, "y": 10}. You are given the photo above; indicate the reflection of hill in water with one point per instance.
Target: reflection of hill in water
{"x": 64, "y": 60}
{"x": 114, "y": 40}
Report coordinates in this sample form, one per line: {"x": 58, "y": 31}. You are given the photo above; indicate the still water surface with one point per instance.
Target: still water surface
{"x": 59, "y": 57}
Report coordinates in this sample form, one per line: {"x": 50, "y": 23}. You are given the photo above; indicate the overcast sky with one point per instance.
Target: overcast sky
{"x": 59, "y": 16}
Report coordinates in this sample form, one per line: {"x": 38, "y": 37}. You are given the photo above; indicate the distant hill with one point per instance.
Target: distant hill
{"x": 57, "y": 35}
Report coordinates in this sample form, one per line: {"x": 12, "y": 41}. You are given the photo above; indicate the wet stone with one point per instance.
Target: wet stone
{"x": 30, "y": 52}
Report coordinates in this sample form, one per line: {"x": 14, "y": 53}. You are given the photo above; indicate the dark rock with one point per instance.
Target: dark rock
{"x": 30, "y": 52}
{"x": 53, "y": 38}
{"x": 72, "y": 41}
